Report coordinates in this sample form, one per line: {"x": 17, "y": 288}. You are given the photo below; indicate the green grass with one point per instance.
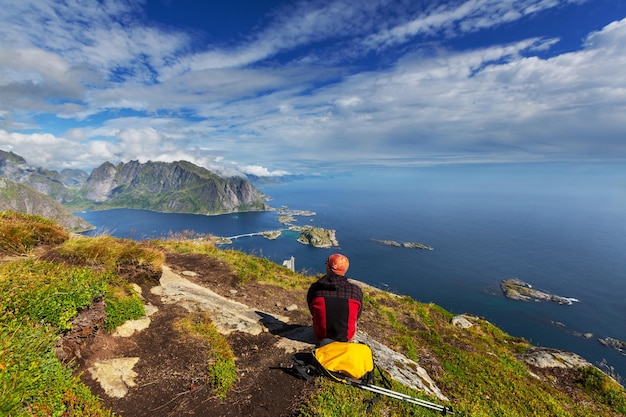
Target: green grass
{"x": 47, "y": 292}
{"x": 38, "y": 300}
{"x": 246, "y": 268}
{"x": 111, "y": 253}
{"x": 221, "y": 368}
{"x": 336, "y": 399}
{"x": 32, "y": 381}
{"x": 122, "y": 304}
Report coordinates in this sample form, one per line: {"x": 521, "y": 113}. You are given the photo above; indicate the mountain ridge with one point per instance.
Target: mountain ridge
{"x": 22, "y": 198}
{"x": 177, "y": 187}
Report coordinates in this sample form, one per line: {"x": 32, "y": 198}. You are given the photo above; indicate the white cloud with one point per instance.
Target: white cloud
{"x": 458, "y": 17}
{"x": 499, "y": 101}
{"x": 47, "y": 150}
{"x": 489, "y": 100}
{"x": 32, "y": 79}
{"x": 261, "y": 171}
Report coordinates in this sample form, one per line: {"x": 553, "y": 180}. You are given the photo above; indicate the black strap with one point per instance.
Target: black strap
{"x": 370, "y": 403}
{"x": 386, "y": 382}
{"x": 303, "y": 369}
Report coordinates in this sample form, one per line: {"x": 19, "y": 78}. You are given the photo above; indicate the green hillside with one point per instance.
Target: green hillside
{"x": 48, "y": 277}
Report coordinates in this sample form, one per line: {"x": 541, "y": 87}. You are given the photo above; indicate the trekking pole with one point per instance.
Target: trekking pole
{"x": 444, "y": 410}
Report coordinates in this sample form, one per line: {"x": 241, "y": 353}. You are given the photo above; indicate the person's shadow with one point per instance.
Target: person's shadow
{"x": 294, "y": 332}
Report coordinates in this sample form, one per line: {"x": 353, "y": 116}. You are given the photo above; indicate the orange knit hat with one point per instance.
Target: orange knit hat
{"x": 338, "y": 263}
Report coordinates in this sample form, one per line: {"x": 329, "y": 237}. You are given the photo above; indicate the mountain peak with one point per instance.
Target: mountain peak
{"x": 179, "y": 186}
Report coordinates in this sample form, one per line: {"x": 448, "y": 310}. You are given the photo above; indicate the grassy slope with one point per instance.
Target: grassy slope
{"x": 475, "y": 368}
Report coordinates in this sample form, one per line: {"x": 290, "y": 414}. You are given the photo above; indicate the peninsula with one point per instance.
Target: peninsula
{"x": 516, "y": 289}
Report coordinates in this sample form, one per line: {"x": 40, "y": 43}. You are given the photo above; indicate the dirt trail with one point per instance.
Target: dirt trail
{"x": 159, "y": 371}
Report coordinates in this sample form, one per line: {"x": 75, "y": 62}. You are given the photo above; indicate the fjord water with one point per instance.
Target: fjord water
{"x": 561, "y": 228}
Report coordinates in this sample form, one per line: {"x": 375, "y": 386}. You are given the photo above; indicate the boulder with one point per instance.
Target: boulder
{"x": 462, "y": 322}
{"x": 552, "y": 358}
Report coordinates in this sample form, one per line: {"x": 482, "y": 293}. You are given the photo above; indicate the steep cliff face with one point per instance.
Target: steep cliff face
{"x": 24, "y": 199}
{"x": 170, "y": 187}
{"x": 98, "y": 186}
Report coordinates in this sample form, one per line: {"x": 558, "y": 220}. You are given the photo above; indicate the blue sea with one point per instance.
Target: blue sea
{"x": 559, "y": 227}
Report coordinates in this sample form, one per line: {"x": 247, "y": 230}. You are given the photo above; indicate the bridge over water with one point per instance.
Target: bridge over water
{"x": 253, "y": 234}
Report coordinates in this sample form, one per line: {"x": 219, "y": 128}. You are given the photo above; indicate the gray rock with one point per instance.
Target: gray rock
{"x": 552, "y": 358}
{"x": 115, "y": 375}
{"x": 614, "y": 343}
{"x": 400, "y": 368}
{"x": 462, "y": 322}
{"x": 516, "y": 289}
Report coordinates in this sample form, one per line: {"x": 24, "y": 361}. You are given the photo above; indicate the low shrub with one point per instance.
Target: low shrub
{"x": 122, "y": 304}
{"x": 19, "y": 232}
{"x": 111, "y": 253}
{"x": 603, "y": 388}
{"x": 47, "y": 292}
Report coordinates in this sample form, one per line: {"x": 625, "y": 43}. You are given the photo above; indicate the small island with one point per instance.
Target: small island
{"x": 408, "y": 245}
{"x": 286, "y": 219}
{"x": 316, "y": 236}
{"x": 286, "y": 215}
{"x": 271, "y": 234}
{"x": 614, "y": 343}
{"x": 516, "y": 289}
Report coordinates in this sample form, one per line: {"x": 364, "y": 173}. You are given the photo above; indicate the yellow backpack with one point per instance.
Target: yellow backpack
{"x": 353, "y": 360}
{"x": 353, "y": 364}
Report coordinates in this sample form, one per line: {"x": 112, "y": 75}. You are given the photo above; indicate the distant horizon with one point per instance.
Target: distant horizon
{"x": 580, "y": 168}
{"x": 314, "y": 86}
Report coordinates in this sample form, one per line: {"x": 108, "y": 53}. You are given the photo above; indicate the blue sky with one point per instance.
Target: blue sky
{"x": 269, "y": 86}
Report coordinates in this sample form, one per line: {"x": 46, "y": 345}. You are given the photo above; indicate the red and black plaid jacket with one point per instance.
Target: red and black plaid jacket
{"x": 335, "y": 305}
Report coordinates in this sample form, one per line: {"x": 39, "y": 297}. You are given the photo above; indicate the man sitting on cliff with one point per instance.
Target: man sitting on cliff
{"x": 335, "y": 303}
